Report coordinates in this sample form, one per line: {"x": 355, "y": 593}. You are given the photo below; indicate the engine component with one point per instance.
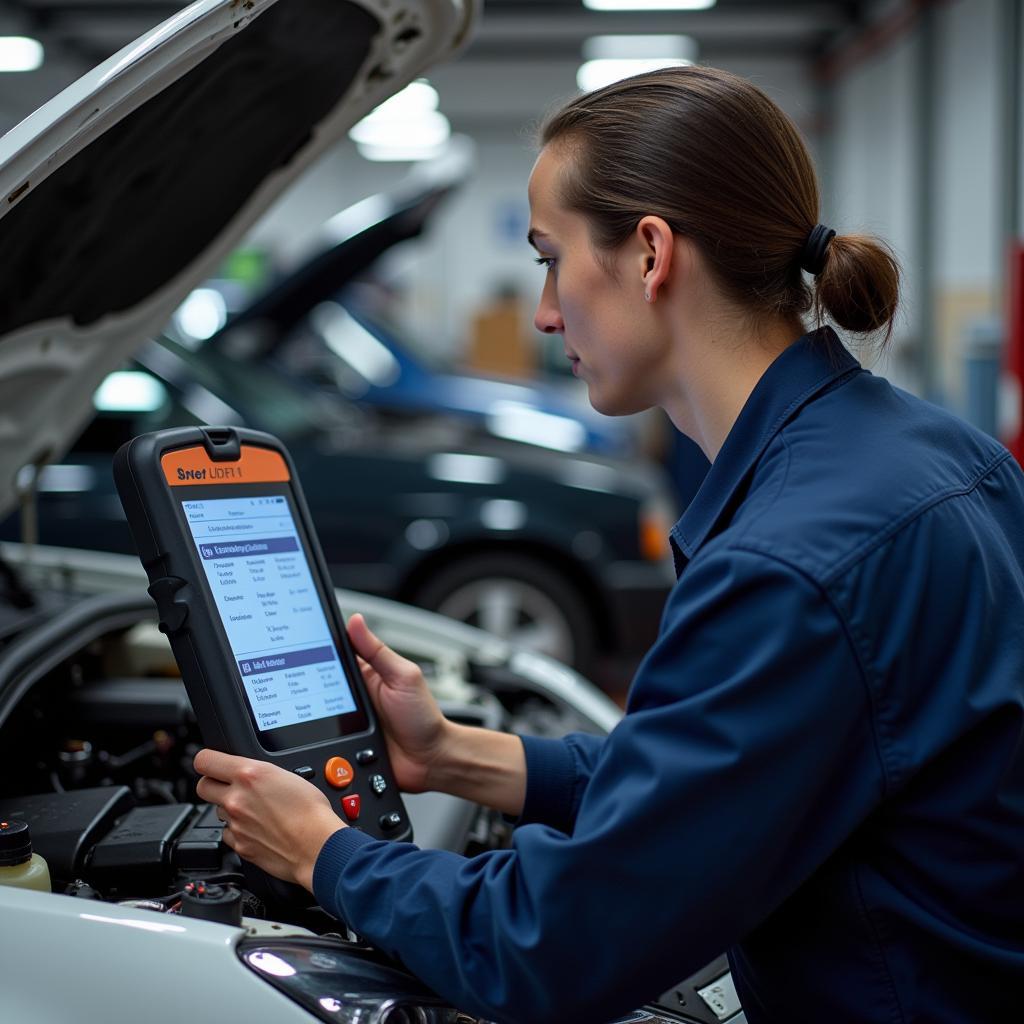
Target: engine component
{"x": 19, "y": 866}
{"x": 136, "y": 854}
{"x": 66, "y": 826}
{"x": 221, "y": 903}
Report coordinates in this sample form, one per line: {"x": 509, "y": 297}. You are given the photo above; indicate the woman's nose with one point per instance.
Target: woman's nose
{"x": 548, "y": 318}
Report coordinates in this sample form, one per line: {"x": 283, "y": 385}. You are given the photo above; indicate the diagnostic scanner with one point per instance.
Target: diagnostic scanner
{"x": 244, "y": 596}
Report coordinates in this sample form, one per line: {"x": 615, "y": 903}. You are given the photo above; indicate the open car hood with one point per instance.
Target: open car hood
{"x": 130, "y": 187}
{"x": 351, "y": 241}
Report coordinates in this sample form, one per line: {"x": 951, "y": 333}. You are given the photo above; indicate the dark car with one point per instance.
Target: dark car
{"x": 561, "y": 553}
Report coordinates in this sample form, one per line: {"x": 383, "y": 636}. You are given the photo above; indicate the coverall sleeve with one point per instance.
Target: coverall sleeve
{"x": 557, "y": 773}
{"x": 746, "y": 757}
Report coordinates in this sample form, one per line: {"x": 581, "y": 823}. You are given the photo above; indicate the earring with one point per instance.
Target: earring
{"x": 647, "y": 296}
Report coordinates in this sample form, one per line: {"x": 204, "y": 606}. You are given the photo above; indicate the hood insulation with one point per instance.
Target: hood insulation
{"x": 141, "y": 202}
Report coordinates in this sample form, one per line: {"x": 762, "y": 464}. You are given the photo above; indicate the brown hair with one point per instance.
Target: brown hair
{"x": 713, "y": 156}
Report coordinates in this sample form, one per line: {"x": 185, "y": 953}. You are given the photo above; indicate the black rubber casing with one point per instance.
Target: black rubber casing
{"x": 189, "y": 617}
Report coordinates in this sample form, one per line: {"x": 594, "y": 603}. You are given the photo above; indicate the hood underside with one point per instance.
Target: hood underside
{"x": 125, "y": 191}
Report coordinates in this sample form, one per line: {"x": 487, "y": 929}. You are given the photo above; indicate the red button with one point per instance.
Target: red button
{"x": 350, "y": 805}
{"x": 339, "y": 772}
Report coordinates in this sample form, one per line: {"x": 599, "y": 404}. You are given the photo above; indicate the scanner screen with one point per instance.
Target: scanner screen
{"x": 254, "y": 561}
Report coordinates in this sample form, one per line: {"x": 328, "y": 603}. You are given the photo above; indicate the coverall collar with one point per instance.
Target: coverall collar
{"x": 803, "y": 371}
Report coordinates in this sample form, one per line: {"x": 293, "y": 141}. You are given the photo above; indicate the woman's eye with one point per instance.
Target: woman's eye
{"x": 545, "y": 261}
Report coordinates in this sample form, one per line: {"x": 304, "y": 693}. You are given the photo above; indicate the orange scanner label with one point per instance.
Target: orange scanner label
{"x": 188, "y": 467}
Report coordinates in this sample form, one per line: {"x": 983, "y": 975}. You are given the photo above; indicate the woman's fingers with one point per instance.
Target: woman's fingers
{"x": 272, "y": 817}
{"x": 215, "y": 764}
{"x": 212, "y": 791}
{"x": 391, "y": 667}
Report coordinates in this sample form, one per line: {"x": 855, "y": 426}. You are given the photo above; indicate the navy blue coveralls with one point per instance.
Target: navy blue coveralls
{"x": 821, "y": 767}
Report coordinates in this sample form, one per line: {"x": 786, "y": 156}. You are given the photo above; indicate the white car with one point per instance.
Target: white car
{"x": 116, "y": 198}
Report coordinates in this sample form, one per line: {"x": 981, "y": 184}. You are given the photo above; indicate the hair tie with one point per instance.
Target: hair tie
{"x": 812, "y": 259}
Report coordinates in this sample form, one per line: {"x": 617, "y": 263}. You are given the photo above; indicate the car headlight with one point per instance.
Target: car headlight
{"x": 342, "y": 984}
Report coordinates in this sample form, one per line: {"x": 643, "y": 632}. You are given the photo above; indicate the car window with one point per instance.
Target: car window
{"x": 265, "y": 399}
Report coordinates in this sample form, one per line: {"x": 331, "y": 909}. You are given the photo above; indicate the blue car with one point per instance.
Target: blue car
{"x": 413, "y": 380}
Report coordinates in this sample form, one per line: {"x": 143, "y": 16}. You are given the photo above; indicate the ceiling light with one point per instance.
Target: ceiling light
{"x": 648, "y": 5}
{"x": 19, "y": 53}
{"x": 415, "y": 97}
{"x": 426, "y": 128}
{"x": 408, "y": 126}
{"x": 400, "y": 152}
{"x": 637, "y": 47}
{"x": 595, "y": 74}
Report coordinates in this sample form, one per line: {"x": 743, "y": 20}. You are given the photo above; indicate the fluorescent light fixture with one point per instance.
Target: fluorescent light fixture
{"x": 19, "y": 53}
{"x": 596, "y": 74}
{"x": 638, "y": 47}
{"x": 408, "y": 126}
{"x": 649, "y": 5}
{"x": 396, "y": 152}
{"x": 416, "y": 128}
{"x": 416, "y": 98}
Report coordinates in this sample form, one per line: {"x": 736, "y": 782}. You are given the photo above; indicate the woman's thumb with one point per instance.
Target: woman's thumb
{"x": 375, "y": 652}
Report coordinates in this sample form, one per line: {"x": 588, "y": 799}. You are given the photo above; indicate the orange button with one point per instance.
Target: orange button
{"x": 339, "y": 772}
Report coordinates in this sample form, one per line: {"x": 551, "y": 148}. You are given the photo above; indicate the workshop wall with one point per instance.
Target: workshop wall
{"x": 915, "y": 156}
{"x": 872, "y": 168}
{"x": 968, "y": 257}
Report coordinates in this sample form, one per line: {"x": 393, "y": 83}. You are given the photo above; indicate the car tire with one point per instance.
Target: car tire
{"x": 518, "y": 598}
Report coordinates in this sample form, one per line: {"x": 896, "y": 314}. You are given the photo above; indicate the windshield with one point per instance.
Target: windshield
{"x": 266, "y": 400}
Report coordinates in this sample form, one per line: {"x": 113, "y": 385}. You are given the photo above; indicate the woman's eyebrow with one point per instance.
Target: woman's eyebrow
{"x": 533, "y": 234}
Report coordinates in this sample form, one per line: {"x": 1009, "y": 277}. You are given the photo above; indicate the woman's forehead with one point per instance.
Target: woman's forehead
{"x": 543, "y": 176}
{"x": 545, "y": 205}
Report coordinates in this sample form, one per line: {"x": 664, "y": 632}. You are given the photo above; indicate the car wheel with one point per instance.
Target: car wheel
{"x": 519, "y": 599}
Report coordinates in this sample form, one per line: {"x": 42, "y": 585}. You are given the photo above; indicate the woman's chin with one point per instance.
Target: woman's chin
{"x": 613, "y": 404}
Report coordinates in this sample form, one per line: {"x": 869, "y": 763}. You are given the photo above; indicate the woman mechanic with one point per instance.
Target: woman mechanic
{"x": 821, "y": 766}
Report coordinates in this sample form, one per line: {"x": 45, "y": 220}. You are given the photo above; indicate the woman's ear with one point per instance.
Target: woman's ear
{"x": 657, "y": 245}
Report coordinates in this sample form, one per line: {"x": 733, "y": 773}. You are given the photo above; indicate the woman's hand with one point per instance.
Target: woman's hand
{"x": 272, "y": 818}
{"x": 416, "y": 732}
